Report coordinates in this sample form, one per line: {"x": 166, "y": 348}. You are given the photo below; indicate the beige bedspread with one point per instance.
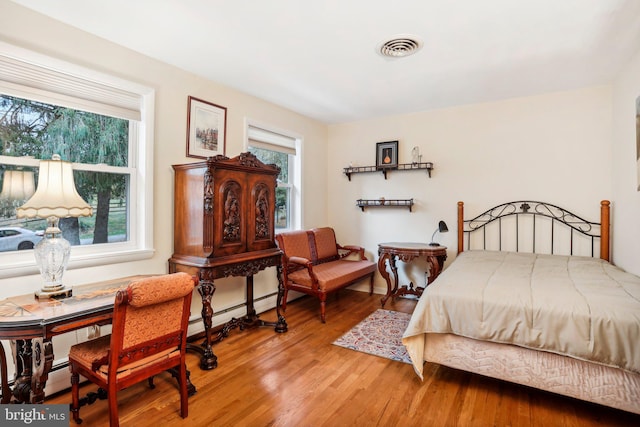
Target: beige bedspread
{"x": 576, "y": 306}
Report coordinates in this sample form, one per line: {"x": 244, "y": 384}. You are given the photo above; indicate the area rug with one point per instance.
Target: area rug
{"x": 380, "y": 334}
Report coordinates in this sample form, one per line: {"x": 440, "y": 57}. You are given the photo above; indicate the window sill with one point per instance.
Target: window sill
{"x": 28, "y": 266}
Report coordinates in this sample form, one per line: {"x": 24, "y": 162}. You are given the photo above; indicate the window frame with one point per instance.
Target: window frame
{"x": 140, "y": 243}
{"x": 294, "y": 173}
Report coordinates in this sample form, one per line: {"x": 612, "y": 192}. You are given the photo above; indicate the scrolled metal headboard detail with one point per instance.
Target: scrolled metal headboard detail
{"x": 591, "y": 229}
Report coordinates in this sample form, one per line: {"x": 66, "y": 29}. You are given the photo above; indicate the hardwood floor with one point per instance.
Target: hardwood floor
{"x": 300, "y": 379}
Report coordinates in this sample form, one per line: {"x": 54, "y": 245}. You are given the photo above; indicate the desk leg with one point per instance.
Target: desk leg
{"x": 435, "y": 267}
{"x": 4, "y": 380}
{"x": 21, "y": 350}
{"x": 382, "y": 268}
{"x": 33, "y": 360}
{"x": 208, "y": 360}
{"x": 42, "y": 363}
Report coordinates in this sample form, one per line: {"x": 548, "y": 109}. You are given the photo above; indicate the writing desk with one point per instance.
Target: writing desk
{"x": 406, "y": 252}
{"x": 30, "y": 324}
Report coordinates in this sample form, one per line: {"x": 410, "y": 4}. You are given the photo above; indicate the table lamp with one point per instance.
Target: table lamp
{"x": 56, "y": 197}
{"x": 17, "y": 185}
{"x": 442, "y": 227}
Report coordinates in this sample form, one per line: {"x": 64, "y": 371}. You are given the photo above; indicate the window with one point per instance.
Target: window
{"x": 102, "y": 125}
{"x": 276, "y": 147}
{"x": 39, "y": 130}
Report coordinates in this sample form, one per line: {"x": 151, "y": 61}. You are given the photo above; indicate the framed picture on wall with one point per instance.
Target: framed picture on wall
{"x": 387, "y": 155}
{"x": 206, "y": 128}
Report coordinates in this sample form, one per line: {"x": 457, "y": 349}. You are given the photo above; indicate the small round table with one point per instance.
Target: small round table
{"x": 406, "y": 252}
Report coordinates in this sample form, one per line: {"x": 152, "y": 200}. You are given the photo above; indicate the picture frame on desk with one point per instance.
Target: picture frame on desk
{"x": 387, "y": 155}
{"x": 206, "y": 129}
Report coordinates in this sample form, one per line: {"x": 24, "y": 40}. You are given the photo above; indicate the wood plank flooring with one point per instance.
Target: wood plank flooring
{"x": 300, "y": 379}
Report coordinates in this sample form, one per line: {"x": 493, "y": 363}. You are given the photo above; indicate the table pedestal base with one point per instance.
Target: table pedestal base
{"x": 388, "y": 253}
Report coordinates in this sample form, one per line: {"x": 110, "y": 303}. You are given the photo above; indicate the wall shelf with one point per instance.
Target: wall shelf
{"x": 384, "y": 203}
{"x": 428, "y": 166}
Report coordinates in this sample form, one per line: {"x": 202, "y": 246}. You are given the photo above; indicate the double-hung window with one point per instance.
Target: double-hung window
{"x": 100, "y": 123}
{"x": 276, "y": 147}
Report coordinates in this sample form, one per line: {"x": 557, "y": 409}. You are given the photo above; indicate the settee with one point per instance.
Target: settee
{"x": 315, "y": 264}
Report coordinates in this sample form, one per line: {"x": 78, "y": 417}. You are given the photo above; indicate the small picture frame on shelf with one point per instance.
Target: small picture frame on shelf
{"x": 387, "y": 155}
{"x": 206, "y": 128}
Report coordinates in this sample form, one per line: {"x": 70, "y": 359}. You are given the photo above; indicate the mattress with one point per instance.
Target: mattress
{"x": 580, "y": 307}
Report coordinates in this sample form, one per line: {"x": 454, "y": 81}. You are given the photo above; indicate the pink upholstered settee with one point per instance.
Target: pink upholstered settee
{"x": 315, "y": 264}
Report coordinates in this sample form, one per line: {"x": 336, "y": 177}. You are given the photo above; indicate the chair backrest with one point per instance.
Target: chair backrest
{"x": 326, "y": 245}
{"x": 297, "y": 244}
{"x": 150, "y": 316}
{"x": 318, "y": 245}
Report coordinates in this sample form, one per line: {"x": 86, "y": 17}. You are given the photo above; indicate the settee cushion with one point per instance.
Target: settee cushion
{"x": 335, "y": 274}
{"x": 296, "y": 244}
{"x": 325, "y": 240}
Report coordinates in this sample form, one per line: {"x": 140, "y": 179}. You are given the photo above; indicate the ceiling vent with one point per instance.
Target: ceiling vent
{"x": 399, "y": 46}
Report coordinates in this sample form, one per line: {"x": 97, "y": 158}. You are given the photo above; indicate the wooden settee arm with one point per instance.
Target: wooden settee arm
{"x": 304, "y": 262}
{"x": 352, "y": 249}
{"x": 301, "y": 262}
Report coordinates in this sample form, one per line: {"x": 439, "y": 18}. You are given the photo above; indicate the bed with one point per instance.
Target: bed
{"x": 532, "y": 299}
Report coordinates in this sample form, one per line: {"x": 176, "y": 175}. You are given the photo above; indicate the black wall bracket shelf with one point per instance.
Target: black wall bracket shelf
{"x": 384, "y": 203}
{"x": 428, "y": 166}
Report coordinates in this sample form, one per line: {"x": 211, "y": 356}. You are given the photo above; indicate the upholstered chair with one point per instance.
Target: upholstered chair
{"x": 150, "y": 320}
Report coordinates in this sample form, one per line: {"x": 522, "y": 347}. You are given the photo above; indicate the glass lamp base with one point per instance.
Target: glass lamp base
{"x": 46, "y": 293}
{"x": 52, "y": 255}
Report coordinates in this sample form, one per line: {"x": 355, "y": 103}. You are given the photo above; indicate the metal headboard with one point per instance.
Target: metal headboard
{"x": 576, "y": 224}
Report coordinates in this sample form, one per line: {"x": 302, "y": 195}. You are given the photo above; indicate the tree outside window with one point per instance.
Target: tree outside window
{"x": 36, "y": 130}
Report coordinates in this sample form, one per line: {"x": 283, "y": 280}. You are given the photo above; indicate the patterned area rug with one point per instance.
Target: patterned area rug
{"x": 379, "y": 334}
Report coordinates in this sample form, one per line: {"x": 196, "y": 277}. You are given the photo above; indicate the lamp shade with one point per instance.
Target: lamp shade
{"x": 442, "y": 228}
{"x": 17, "y": 185}
{"x": 56, "y": 194}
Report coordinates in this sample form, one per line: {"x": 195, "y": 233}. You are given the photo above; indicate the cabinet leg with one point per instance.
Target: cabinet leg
{"x": 281, "y": 324}
{"x": 208, "y": 360}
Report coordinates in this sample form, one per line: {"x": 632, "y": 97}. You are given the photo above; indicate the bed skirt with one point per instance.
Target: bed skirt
{"x": 559, "y": 374}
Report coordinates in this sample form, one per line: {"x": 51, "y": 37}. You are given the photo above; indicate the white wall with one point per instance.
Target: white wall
{"x": 554, "y": 148}
{"x": 626, "y": 207}
{"x": 30, "y": 30}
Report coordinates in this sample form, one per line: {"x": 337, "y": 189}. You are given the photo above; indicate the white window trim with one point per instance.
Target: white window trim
{"x": 140, "y": 244}
{"x": 296, "y": 193}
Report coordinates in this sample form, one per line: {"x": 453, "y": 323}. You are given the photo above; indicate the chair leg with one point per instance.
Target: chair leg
{"x": 151, "y": 384}
{"x": 323, "y": 308}
{"x": 184, "y": 395}
{"x": 75, "y": 395}
{"x": 283, "y": 304}
{"x": 112, "y": 396}
{"x": 371, "y": 285}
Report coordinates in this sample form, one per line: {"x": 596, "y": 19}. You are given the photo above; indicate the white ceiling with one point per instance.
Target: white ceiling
{"x": 318, "y": 57}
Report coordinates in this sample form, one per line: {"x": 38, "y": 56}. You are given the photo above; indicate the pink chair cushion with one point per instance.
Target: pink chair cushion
{"x": 325, "y": 240}
{"x": 296, "y": 243}
{"x": 157, "y": 289}
{"x": 335, "y": 274}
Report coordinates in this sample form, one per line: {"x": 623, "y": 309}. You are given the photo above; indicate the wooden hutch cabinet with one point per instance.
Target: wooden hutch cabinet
{"x": 224, "y": 226}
